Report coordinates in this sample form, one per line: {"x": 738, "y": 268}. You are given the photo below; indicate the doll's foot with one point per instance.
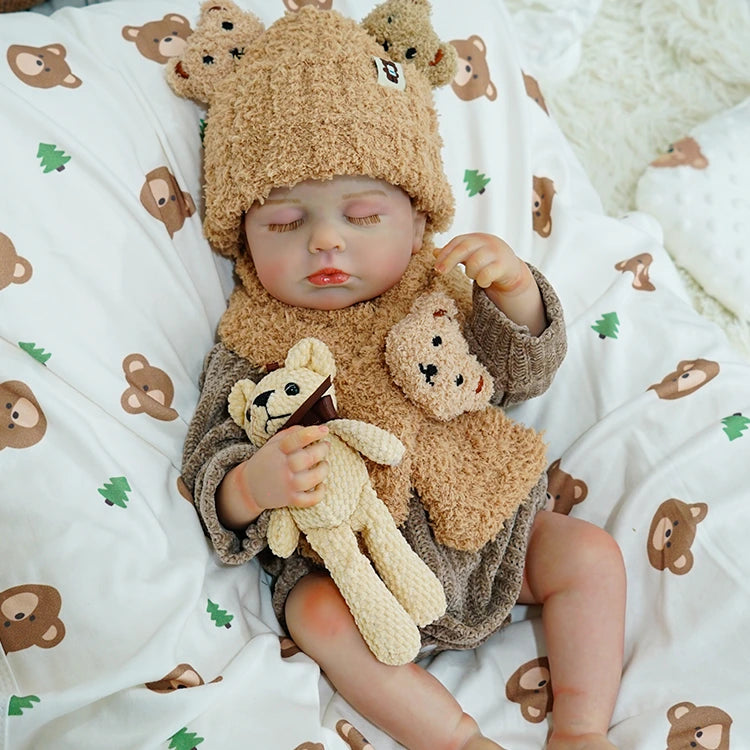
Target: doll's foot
{"x": 581, "y": 742}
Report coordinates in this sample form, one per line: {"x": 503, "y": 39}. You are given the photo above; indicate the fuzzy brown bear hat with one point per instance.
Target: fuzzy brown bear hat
{"x": 314, "y": 98}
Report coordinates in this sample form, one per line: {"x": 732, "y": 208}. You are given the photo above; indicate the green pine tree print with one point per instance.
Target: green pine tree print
{"x": 607, "y": 326}
{"x": 52, "y": 158}
{"x": 475, "y": 182}
{"x": 19, "y": 702}
{"x": 184, "y": 740}
{"x": 202, "y": 128}
{"x": 735, "y": 425}
{"x": 219, "y": 616}
{"x": 115, "y": 492}
{"x": 37, "y": 353}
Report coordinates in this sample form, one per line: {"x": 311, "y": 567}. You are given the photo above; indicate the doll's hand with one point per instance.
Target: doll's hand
{"x": 289, "y": 468}
{"x": 505, "y": 278}
{"x": 488, "y": 260}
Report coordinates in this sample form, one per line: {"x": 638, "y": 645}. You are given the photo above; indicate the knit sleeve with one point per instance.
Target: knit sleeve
{"x": 214, "y": 445}
{"x": 522, "y": 365}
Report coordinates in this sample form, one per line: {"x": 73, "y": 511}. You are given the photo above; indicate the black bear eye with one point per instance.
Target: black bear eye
{"x": 291, "y": 389}
{"x": 459, "y": 379}
{"x": 208, "y": 60}
{"x": 411, "y": 52}
{"x": 437, "y": 340}
{"x": 386, "y": 45}
{"x": 227, "y": 25}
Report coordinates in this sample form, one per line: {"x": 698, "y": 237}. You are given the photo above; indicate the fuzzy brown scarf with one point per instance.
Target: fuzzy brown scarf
{"x": 471, "y": 473}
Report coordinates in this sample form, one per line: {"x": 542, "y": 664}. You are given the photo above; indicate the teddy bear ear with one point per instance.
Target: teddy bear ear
{"x": 239, "y": 398}
{"x": 442, "y": 69}
{"x": 311, "y": 354}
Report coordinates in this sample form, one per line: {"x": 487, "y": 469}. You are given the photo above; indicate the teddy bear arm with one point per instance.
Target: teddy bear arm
{"x": 283, "y": 533}
{"x": 371, "y": 441}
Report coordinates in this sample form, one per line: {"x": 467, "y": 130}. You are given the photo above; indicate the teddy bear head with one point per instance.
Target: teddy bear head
{"x": 214, "y": 49}
{"x": 403, "y": 29}
{"x": 300, "y": 392}
{"x": 429, "y": 359}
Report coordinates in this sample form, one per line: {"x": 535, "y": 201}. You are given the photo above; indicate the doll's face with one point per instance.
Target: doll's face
{"x": 329, "y": 244}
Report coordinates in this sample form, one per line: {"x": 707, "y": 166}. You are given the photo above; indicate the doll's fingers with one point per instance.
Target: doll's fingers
{"x": 309, "y": 456}
{"x": 304, "y": 481}
{"x": 454, "y": 252}
{"x": 488, "y": 274}
{"x": 297, "y": 438}
{"x": 309, "y": 497}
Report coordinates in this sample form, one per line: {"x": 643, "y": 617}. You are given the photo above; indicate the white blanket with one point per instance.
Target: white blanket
{"x": 107, "y": 584}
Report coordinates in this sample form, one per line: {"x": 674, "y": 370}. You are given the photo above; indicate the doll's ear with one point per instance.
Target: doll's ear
{"x": 311, "y": 354}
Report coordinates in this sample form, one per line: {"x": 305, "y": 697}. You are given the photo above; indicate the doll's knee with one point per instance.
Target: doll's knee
{"x": 572, "y": 544}
{"x": 316, "y": 612}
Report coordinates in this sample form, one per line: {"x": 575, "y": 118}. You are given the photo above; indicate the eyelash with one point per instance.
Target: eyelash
{"x": 362, "y": 220}
{"x": 292, "y": 225}
{"x": 285, "y": 227}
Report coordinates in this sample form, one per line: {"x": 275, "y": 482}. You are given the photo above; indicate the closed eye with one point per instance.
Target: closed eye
{"x": 363, "y": 220}
{"x": 288, "y": 227}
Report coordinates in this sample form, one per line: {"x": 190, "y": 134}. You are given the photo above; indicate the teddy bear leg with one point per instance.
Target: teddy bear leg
{"x": 386, "y": 627}
{"x": 403, "y": 571}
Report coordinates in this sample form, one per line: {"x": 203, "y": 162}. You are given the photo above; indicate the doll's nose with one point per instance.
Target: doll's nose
{"x": 324, "y": 237}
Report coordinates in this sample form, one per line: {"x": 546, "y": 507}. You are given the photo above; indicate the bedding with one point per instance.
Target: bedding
{"x": 672, "y": 67}
{"x": 699, "y": 190}
{"x": 111, "y": 598}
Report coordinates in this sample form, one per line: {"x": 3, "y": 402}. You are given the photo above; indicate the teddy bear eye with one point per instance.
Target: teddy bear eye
{"x": 208, "y": 60}
{"x": 411, "y": 52}
{"x": 291, "y": 389}
{"x": 437, "y": 340}
{"x": 227, "y": 25}
{"x": 459, "y": 379}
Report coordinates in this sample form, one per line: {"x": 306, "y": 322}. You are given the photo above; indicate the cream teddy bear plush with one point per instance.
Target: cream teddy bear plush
{"x": 387, "y": 609}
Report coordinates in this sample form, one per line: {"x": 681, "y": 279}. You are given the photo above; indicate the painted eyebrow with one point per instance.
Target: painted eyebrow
{"x": 364, "y": 193}
{"x": 346, "y": 196}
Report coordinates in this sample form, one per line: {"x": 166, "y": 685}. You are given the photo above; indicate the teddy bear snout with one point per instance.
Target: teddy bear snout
{"x": 262, "y": 398}
{"x": 429, "y": 372}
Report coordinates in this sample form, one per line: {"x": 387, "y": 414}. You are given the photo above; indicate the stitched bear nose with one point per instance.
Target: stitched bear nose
{"x": 429, "y": 372}
{"x": 262, "y": 398}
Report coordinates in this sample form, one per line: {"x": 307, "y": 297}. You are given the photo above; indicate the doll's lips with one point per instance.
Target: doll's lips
{"x": 328, "y": 277}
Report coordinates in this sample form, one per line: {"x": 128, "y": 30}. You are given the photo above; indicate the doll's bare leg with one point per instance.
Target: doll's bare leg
{"x": 575, "y": 570}
{"x": 406, "y": 701}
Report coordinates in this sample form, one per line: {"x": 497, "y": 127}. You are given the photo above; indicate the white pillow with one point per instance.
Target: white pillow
{"x": 700, "y": 192}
